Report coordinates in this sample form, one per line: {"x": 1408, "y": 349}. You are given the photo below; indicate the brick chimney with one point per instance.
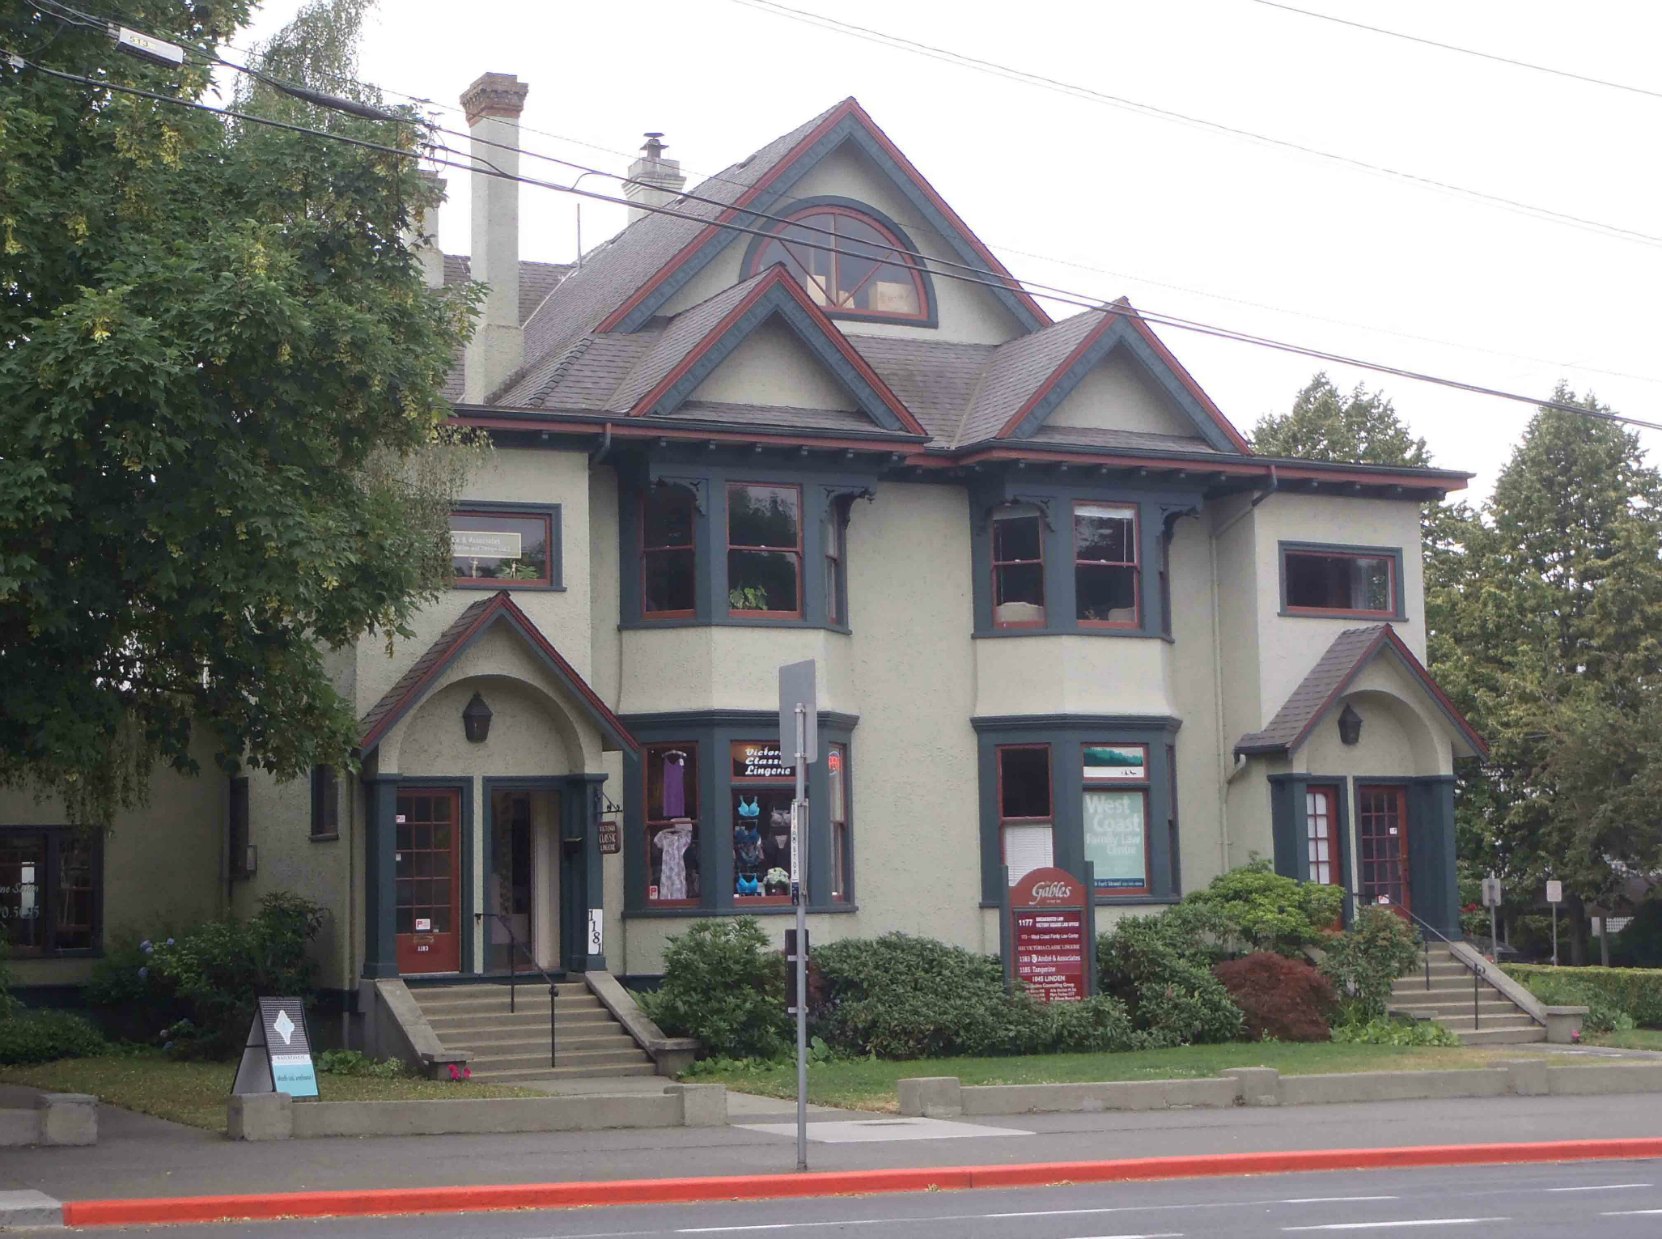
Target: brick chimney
{"x": 493, "y": 105}
{"x": 653, "y": 180}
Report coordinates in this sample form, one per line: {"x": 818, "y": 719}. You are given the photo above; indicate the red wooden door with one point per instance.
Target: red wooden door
{"x": 1382, "y": 837}
{"x": 428, "y": 872}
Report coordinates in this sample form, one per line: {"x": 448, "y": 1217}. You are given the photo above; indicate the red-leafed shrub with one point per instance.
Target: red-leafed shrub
{"x": 1280, "y": 997}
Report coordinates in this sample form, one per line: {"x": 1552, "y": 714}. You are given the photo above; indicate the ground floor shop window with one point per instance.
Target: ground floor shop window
{"x": 50, "y": 882}
{"x": 761, "y": 789}
{"x": 672, "y": 824}
{"x": 1026, "y": 833}
{"x": 836, "y": 777}
{"x": 1115, "y": 812}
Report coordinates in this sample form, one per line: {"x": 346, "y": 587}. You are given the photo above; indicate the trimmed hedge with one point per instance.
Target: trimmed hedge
{"x": 1634, "y": 992}
{"x": 41, "y": 1036}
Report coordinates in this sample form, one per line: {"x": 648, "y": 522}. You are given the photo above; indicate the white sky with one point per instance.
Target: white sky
{"x": 1106, "y": 201}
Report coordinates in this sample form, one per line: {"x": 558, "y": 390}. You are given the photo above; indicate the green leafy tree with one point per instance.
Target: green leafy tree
{"x": 1327, "y": 424}
{"x": 221, "y": 444}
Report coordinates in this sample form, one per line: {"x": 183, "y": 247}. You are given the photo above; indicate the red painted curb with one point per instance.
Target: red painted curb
{"x": 165, "y": 1210}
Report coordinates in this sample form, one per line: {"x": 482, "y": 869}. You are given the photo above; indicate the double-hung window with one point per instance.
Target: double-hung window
{"x": 49, "y": 885}
{"x": 1115, "y": 812}
{"x": 1025, "y": 821}
{"x": 669, "y": 560}
{"x": 1018, "y": 568}
{"x": 1105, "y": 565}
{"x": 764, "y": 550}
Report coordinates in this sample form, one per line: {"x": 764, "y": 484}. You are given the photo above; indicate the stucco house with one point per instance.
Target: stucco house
{"x": 1061, "y": 612}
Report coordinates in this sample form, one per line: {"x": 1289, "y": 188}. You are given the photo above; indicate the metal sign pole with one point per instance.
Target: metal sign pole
{"x": 799, "y": 810}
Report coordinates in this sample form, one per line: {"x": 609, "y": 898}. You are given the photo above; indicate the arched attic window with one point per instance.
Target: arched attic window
{"x": 848, "y": 262}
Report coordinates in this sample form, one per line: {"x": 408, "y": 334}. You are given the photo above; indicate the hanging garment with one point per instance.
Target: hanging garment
{"x": 747, "y": 849}
{"x": 673, "y": 843}
{"x": 675, "y": 785}
{"x": 751, "y": 810}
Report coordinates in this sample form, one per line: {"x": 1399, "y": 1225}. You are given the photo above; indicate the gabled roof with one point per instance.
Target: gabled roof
{"x": 468, "y": 627}
{"x": 1032, "y": 375}
{"x": 1320, "y": 690}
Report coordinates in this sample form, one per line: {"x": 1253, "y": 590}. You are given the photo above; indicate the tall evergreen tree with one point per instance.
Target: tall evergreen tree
{"x": 1326, "y": 424}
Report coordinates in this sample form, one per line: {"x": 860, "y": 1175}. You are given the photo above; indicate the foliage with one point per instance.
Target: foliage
{"x": 221, "y": 407}
{"x": 1270, "y": 912}
{"x": 1639, "y": 945}
{"x": 1618, "y": 996}
{"x": 1281, "y": 999}
{"x": 1382, "y": 1031}
{"x": 41, "y": 1036}
{"x": 1365, "y": 960}
{"x": 1542, "y": 627}
{"x": 199, "y": 988}
{"x": 1160, "y": 967}
{"x": 8, "y": 1004}
{"x": 723, "y": 985}
{"x": 1325, "y": 424}
{"x": 352, "y": 1063}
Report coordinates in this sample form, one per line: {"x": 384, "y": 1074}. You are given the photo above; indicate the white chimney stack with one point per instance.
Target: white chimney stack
{"x": 653, "y": 180}
{"x": 493, "y": 105}
{"x": 426, "y": 241}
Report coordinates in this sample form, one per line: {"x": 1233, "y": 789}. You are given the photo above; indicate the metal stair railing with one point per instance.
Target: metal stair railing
{"x": 514, "y": 946}
{"x": 1478, "y": 971}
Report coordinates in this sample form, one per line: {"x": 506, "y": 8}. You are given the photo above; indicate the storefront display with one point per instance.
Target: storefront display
{"x": 763, "y": 788}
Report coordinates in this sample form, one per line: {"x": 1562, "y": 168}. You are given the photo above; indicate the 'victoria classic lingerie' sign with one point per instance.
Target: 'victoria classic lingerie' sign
{"x": 1049, "y": 940}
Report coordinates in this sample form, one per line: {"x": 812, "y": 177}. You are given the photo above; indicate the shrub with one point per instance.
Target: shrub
{"x": 1269, "y": 912}
{"x": 724, "y": 986}
{"x": 7, "y": 1002}
{"x": 1382, "y": 1031}
{"x": 1160, "y": 967}
{"x": 1615, "y": 998}
{"x": 1280, "y": 998}
{"x": 131, "y": 997}
{"x": 352, "y": 1063}
{"x": 41, "y": 1036}
{"x": 1365, "y": 960}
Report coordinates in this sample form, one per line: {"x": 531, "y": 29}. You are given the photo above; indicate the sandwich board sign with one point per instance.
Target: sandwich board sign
{"x": 277, "y": 1057}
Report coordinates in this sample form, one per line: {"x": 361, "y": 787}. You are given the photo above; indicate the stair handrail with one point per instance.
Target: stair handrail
{"x": 1478, "y": 971}
{"x": 515, "y": 945}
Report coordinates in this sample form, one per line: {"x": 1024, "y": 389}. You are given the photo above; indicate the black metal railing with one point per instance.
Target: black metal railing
{"x": 1478, "y": 971}
{"x": 515, "y": 946}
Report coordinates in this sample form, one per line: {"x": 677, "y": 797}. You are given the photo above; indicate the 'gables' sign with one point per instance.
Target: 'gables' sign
{"x": 1049, "y": 941}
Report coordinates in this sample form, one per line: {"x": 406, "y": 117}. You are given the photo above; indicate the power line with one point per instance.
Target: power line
{"x": 1077, "y": 299}
{"x": 1464, "y": 51}
{"x": 348, "y": 80}
{"x": 963, "y": 60}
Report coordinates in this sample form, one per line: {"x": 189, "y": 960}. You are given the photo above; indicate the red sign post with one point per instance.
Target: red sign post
{"x": 1050, "y": 945}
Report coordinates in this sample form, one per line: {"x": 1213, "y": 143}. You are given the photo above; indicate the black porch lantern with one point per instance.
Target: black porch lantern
{"x": 1350, "y": 725}
{"x": 476, "y": 720}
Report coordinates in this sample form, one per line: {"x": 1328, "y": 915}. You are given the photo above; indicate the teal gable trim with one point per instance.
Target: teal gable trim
{"x": 847, "y": 130}
{"x": 1121, "y": 335}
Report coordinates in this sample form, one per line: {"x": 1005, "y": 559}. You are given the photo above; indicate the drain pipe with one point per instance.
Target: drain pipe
{"x": 604, "y": 449}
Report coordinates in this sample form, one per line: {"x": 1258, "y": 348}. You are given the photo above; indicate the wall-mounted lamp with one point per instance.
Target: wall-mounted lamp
{"x": 476, "y": 720}
{"x": 1350, "y": 725}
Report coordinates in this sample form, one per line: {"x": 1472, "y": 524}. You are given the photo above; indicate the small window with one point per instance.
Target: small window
{"x": 325, "y": 803}
{"x": 237, "y": 831}
{"x": 847, "y": 263}
{"x": 49, "y": 885}
{"x": 1115, "y": 814}
{"x": 763, "y": 787}
{"x": 1026, "y": 831}
{"x": 1018, "y": 568}
{"x": 1105, "y": 565}
{"x": 1321, "y": 835}
{"x": 672, "y": 824}
{"x": 836, "y": 776}
{"x": 668, "y": 559}
{"x": 764, "y": 551}
{"x": 502, "y": 548}
{"x": 836, "y": 518}
{"x": 1342, "y": 582}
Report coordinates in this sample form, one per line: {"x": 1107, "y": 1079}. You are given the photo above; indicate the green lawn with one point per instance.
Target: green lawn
{"x": 866, "y": 1084}
{"x": 1632, "y": 1039}
{"x": 195, "y": 1093}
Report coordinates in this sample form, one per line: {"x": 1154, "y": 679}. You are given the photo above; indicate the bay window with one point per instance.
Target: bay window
{"x": 669, "y": 559}
{"x": 1105, "y": 564}
{"x": 672, "y": 824}
{"x": 764, "y": 550}
{"x": 1115, "y": 812}
{"x": 1024, "y": 809}
{"x": 1018, "y": 568}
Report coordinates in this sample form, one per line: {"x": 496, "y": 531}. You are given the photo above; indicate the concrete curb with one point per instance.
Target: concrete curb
{"x": 835, "y": 1183}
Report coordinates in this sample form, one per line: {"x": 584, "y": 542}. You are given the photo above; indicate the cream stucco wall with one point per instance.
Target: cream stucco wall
{"x": 1115, "y": 395}
{"x": 773, "y": 367}
{"x": 966, "y": 312}
{"x": 1073, "y": 675}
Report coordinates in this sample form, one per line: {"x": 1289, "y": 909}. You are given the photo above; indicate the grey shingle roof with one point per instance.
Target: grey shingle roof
{"x": 373, "y": 722}
{"x": 536, "y": 279}
{"x": 1130, "y": 440}
{"x": 583, "y": 376}
{"x": 1316, "y": 691}
{"x": 777, "y": 416}
{"x": 1018, "y": 369}
{"x": 932, "y": 378}
{"x": 676, "y": 340}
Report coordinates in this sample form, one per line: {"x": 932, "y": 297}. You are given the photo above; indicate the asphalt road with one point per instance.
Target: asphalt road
{"x": 1586, "y": 1200}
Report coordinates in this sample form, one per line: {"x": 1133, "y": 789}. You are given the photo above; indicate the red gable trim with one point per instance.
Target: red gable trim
{"x": 501, "y": 607}
{"x": 777, "y": 278}
{"x": 1109, "y": 318}
{"x": 848, "y": 107}
{"x": 1388, "y": 638}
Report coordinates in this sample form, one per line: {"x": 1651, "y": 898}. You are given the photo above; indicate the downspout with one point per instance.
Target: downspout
{"x": 351, "y": 934}
{"x": 601, "y": 452}
{"x": 1217, "y": 668}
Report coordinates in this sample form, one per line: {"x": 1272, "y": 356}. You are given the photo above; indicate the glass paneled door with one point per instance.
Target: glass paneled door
{"x": 1382, "y": 840}
{"x": 427, "y": 867}
{"x": 1321, "y": 834}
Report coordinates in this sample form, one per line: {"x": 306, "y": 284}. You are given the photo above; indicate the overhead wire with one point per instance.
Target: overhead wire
{"x": 1080, "y": 300}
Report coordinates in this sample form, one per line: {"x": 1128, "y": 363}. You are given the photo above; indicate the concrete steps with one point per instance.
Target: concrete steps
{"x": 1448, "y": 1000}
{"x": 511, "y": 1046}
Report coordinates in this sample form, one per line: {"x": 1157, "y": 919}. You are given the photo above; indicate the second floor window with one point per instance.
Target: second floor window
{"x": 500, "y": 547}
{"x": 1018, "y": 568}
{"x": 668, "y": 559}
{"x": 764, "y": 550}
{"x": 1318, "y": 580}
{"x": 1105, "y": 564}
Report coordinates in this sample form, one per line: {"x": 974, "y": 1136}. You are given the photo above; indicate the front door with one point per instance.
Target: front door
{"x": 427, "y": 866}
{"x": 1382, "y": 836}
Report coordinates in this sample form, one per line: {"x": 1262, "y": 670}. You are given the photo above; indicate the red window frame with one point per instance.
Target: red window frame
{"x": 1005, "y": 821}
{"x": 655, "y": 824}
{"x": 689, "y": 549}
{"x": 493, "y": 582}
{"x": 1136, "y": 620}
{"x": 796, "y": 553}
{"x": 1389, "y": 559}
{"x": 756, "y": 786}
{"x": 1383, "y": 856}
{"x": 836, "y": 767}
{"x": 801, "y": 273}
{"x": 1335, "y": 845}
{"x": 1009, "y": 514}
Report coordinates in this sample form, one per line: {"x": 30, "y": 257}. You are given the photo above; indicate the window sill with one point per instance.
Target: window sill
{"x": 644, "y": 625}
{"x": 332, "y": 836}
{"x": 765, "y": 910}
{"x": 1081, "y": 631}
{"x": 1381, "y": 617}
{"x": 532, "y": 587}
{"x": 1109, "y": 901}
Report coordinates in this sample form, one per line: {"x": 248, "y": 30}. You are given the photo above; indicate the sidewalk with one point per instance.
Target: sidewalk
{"x": 143, "y": 1157}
